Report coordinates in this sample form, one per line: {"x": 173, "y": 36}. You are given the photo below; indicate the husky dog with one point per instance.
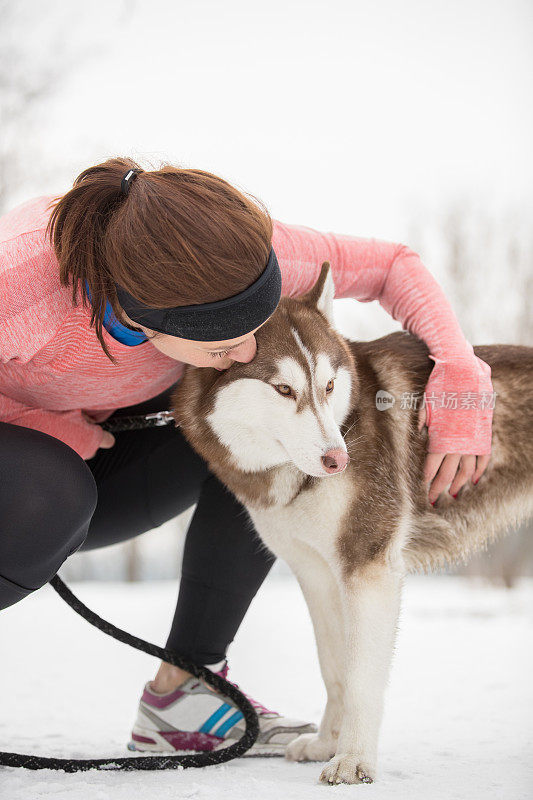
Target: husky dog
{"x": 335, "y": 487}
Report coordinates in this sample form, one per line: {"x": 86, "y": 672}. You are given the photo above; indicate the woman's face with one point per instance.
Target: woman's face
{"x": 219, "y": 355}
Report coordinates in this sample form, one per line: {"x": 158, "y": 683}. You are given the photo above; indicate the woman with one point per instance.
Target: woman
{"x": 166, "y": 239}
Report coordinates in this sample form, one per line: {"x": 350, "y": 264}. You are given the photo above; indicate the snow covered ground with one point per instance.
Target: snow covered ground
{"x": 458, "y": 711}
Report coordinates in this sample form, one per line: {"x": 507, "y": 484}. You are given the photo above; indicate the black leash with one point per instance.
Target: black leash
{"x": 204, "y": 759}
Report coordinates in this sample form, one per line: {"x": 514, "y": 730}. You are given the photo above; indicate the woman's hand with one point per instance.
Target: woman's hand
{"x": 442, "y": 469}
{"x": 108, "y": 440}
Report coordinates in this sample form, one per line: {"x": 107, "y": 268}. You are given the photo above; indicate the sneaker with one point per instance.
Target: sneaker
{"x": 195, "y": 717}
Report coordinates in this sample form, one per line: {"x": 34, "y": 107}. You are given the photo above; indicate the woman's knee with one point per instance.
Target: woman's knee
{"x": 47, "y": 498}
{"x": 62, "y": 483}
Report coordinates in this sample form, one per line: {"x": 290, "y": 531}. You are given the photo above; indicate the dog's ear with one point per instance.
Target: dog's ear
{"x": 321, "y": 295}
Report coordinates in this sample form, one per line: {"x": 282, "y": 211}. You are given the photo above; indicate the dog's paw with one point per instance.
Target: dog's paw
{"x": 310, "y": 747}
{"x": 347, "y": 768}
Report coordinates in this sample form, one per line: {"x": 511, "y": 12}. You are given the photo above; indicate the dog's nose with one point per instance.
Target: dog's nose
{"x": 335, "y": 460}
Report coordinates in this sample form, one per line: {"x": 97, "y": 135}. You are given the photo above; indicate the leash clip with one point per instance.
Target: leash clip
{"x": 160, "y": 418}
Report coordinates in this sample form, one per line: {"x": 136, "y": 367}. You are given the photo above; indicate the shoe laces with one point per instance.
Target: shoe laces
{"x": 259, "y": 707}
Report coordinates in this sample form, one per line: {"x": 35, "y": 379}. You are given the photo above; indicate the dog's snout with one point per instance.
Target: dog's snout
{"x": 335, "y": 460}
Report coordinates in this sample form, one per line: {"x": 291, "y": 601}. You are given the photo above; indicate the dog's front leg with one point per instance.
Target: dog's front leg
{"x": 321, "y": 592}
{"x": 371, "y": 600}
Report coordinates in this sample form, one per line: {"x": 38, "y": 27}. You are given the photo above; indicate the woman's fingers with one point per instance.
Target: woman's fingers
{"x": 433, "y": 462}
{"x": 108, "y": 440}
{"x": 453, "y": 469}
{"x": 467, "y": 467}
{"x": 445, "y": 475}
{"x": 482, "y": 462}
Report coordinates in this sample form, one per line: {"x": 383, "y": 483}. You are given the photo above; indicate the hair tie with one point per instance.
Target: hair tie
{"x": 127, "y": 180}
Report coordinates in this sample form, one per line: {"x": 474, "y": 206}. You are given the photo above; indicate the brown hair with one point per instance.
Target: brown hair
{"x": 179, "y": 237}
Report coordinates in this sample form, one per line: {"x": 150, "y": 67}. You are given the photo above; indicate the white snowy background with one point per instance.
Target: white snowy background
{"x": 409, "y": 121}
{"x": 458, "y": 709}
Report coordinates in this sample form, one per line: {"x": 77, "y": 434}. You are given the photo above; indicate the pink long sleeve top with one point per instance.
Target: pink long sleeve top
{"x": 55, "y": 377}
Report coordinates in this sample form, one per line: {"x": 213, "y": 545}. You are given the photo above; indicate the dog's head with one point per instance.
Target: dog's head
{"x": 289, "y": 402}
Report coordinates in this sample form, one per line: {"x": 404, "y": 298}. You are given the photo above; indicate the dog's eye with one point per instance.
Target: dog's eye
{"x": 283, "y": 389}
{"x": 330, "y": 386}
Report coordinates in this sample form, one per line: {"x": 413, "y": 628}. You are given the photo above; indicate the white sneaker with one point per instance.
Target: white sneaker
{"x": 195, "y": 717}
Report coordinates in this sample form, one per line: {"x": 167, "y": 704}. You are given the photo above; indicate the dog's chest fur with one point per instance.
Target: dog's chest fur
{"x": 311, "y": 512}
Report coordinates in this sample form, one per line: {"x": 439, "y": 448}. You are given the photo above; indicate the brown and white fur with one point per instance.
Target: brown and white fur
{"x": 335, "y": 487}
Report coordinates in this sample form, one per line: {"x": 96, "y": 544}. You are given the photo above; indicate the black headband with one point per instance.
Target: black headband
{"x": 210, "y": 322}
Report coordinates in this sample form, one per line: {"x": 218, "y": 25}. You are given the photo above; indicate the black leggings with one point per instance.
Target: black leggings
{"x": 53, "y": 503}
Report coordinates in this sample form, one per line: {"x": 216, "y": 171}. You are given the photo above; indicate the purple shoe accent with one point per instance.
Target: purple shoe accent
{"x": 191, "y": 740}
{"x": 137, "y": 738}
{"x": 224, "y": 671}
{"x": 161, "y": 700}
{"x": 259, "y": 707}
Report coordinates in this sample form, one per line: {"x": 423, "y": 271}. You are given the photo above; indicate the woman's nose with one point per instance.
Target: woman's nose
{"x": 245, "y": 352}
